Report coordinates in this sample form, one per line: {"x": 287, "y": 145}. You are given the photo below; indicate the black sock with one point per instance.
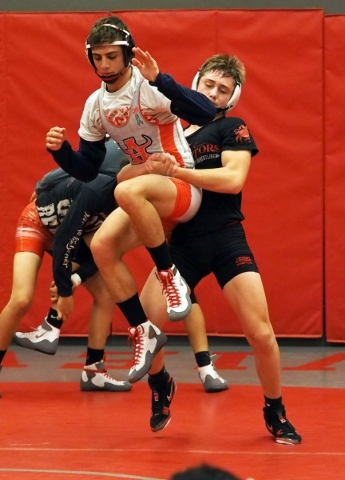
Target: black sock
{"x": 161, "y": 256}
{"x": 160, "y": 378}
{"x": 52, "y": 319}
{"x": 273, "y": 403}
{"x": 2, "y": 354}
{"x": 133, "y": 311}
{"x": 93, "y": 356}
{"x": 203, "y": 358}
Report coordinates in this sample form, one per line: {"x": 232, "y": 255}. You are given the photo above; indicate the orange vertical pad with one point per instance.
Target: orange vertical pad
{"x": 50, "y": 80}
{"x": 334, "y": 177}
{"x": 5, "y": 244}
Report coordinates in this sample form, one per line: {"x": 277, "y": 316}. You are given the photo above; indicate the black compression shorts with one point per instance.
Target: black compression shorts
{"x": 83, "y": 254}
{"x": 225, "y": 253}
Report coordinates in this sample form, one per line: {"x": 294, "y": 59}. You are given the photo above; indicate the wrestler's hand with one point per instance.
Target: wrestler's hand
{"x": 54, "y": 293}
{"x": 162, "y": 164}
{"x": 64, "y": 307}
{"x": 55, "y": 138}
{"x": 147, "y": 65}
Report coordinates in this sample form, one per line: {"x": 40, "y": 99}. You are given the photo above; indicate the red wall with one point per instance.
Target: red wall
{"x": 334, "y": 177}
{"x": 46, "y": 79}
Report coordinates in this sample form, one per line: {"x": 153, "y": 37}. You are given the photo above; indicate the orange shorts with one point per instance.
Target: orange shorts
{"x": 188, "y": 201}
{"x": 31, "y": 234}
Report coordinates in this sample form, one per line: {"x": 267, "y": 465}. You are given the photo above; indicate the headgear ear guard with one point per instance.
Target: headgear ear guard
{"x": 127, "y": 43}
{"x": 234, "y": 97}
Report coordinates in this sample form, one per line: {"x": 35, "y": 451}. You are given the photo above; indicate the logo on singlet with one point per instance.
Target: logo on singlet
{"x": 139, "y": 120}
{"x": 205, "y": 151}
{"x": 243, "y": 260}
{"x": 118, "y": 117}
{"x": 242, "y": 134}
{"x": 137, "y": 152}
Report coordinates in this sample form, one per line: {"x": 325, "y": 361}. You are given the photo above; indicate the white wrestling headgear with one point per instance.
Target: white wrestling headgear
{"x": 127, "y": 43}
{"x": 233, "y": 99}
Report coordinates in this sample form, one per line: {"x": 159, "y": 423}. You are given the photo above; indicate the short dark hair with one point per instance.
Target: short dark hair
{"x": 204, "y": 472}
{"x": 101, "y": 34}
{"x": 227, "y": 65}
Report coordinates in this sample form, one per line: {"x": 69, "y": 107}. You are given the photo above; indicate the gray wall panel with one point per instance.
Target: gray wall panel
{"x": 329, "y": 6}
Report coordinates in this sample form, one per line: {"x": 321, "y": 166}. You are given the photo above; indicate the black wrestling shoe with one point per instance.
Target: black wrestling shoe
{"x": 280, "y": 427}
{"x": 161, "y": 399}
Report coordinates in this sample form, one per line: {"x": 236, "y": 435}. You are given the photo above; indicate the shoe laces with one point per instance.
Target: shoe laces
{"x": 158, "y": 402}
{"x": 104, "y": 374}
{"x": 136, "y": 341}
{"x": 282, "y": 424}
{"x": 286, "y": 426}
{"x": 35, "y": 330}
{"x": 205, "y": 371}
{"x": 160, "y": 394}
{"x": 97, "y": 370}
{"x": 216, "y": 374}
{"x": 169, "y": 288}
{"x": 102, "y": 371}
{"x": 160, "y": 410}
{"x": 214, "y": 356}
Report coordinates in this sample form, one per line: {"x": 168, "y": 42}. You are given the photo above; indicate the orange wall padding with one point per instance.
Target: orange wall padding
{"x": 4, "y": 177}
{"x": 334, "y": 178}
{"x": 48, "y": 79}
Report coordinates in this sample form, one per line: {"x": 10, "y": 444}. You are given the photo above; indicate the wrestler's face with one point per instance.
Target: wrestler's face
{"x": 217, "y": 88}
{"x": 109, "y": 62}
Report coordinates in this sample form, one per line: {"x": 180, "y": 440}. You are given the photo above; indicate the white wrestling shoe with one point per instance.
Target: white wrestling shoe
{"x": 94, "y": 378}
{"x": 175, "y": 291}
{"x": 211, "y": 381}
{"x": 44, "y": 338}
{"x": 147, "y": 340}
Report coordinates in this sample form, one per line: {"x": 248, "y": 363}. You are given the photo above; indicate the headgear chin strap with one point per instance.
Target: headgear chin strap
{"x": 112, "y": 79}
{"x": 127, "y": 43}
{"x": 233, "y": 99}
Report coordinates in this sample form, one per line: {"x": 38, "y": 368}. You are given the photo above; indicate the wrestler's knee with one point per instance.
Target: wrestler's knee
{"x": 127, "y": 191}
{"x": 262, "y": 338}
